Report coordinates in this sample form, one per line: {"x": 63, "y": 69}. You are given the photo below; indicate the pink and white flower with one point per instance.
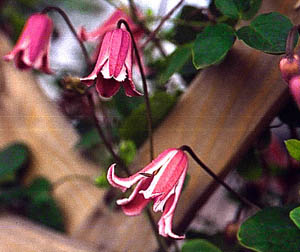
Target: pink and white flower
{"x": 160, "y": 181}
{"x": 114, "y": 65}
{"x": 32, "y": 48}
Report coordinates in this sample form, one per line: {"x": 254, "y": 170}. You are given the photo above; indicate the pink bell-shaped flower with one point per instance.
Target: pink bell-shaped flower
{"x": 160, "y": 181}
{"x": 114, "y": 65}
{"x": 32, "y": 48}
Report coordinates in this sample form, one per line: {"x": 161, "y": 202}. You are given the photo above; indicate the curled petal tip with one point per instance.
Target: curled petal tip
{"x": 111, "y": 178}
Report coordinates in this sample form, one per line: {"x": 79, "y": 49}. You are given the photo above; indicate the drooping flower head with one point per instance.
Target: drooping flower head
{"x": 31, "y": 50}
{"x": 160, "y": 181}
{"x": 114, "y": 65}
{"x": 109, "y": 25}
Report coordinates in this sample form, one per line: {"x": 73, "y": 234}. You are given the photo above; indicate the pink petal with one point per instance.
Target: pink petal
{"x": 107, "y": 87}
{"x": 168, "y": 176}
{"x": 33, "y": 44}
{"x": 120, "y": 43}
{"x": 101, "y": 61}
{"x": 39, "y": 31}
{"x": 130, "y": 89}
{"x": 124, "y": 183}
{"x": 294, "y": 86}
{"x": 166, "y": 220}
{"x": 136, "y": 202}
{"x": 108, "y": 25}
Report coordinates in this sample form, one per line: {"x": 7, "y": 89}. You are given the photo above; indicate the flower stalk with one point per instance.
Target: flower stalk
{"x": 216, "y": 178}
{"x": 145, "y": 87}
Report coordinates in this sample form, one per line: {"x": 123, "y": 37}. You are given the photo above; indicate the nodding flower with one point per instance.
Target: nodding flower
{"x": 114, "y": 65}
{"x": 32, "y": 47}
{"x": 160, "y": 181}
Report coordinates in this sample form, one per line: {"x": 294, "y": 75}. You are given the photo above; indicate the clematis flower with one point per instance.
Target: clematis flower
{"x": 31, "y": 50}
{"x": 160, "y": 181}
{"x": 114, "y": 65}
{"x": 109, "y": 25}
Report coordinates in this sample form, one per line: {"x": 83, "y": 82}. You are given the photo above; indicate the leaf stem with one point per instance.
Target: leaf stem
{"x": 216, "y": 178}
{"x": 145, "y": 87}
{"x": 72, "y": 29}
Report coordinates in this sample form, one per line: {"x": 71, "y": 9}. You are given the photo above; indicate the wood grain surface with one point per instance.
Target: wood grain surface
{"x": 20, "y": 235}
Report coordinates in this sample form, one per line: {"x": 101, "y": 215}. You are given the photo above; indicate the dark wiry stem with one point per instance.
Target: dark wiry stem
{"x": 216, "y": 178}
{"x": 147, "y": 101}
{"x": 163, "y": 20}
{"x": 103, "y": 137}
{"x": 289, "y": 46}
{"x": 72, "y": 29}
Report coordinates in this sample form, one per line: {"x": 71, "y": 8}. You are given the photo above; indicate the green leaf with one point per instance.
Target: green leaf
{"x": 102, "y": 181}
{"x": 13, "y": 158}
{"x": 127, "y": 151}
{"x": 238, "y": 9}
{"x": 295, "y": 216}
{"x": 228, "y": 8}
{"x": 250, "y": 167}
{"x": 38, "y": 186}
{"x": 134, "y": 127}
{"x": 267, "y": 33}
{"x": 176, "y": 61}
{"x": 270, "y": 230}
{"x": 293, "y": 147}
{"x": 183, "y": 31}
{"x": 42, "y": 207}
{"x": 212, "y": 45}
{"x": 252, "y": 9}
{"x": 199, "y": 245}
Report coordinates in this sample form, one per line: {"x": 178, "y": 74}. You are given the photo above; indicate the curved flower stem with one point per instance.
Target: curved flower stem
{"x": 103, "y": 137}
{"x": 163, "y": 20}
{"x": 72, "y": 29}
{"x": 215, "y": 177}
{"x": 289, "y": 46}
{"x": 147, "y": 101}
{"x": 71, "y": 177}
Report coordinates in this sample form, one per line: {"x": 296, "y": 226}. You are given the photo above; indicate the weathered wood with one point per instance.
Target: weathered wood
{"x": 27, "y": 115}
{"x": 225, "y": 109}
{"x": 19, "y": 235}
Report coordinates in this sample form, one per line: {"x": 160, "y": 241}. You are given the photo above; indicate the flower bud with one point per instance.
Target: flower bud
{"x": 289, "y": 67}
